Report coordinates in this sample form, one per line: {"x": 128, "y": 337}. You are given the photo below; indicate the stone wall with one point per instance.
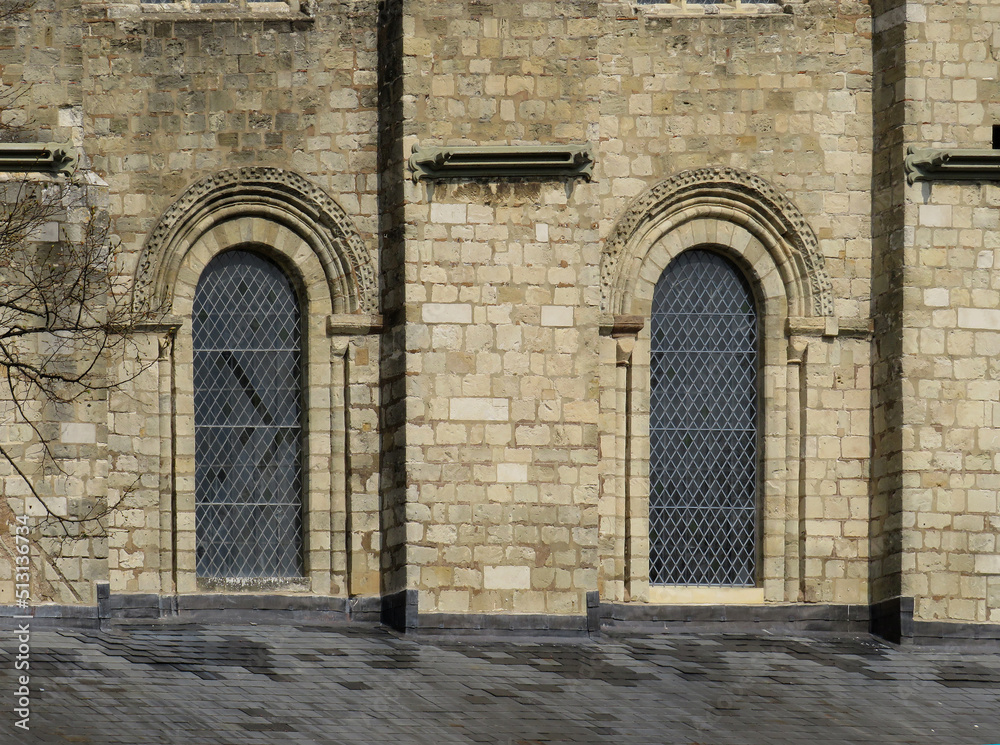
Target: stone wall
{"x": 155, "y": 101}
{"x": 503, "y": 286}
{"x": 40, "y": 101}
{"x": 950, "y": 334}
{"x": 889, "y": 95}
{"x": 392, "y": 238}
{"x": 478, "y": 350}
{"x": 502, "y": 301}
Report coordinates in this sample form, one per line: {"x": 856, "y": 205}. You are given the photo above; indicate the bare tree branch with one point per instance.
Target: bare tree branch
{"x": 65, "y": 334}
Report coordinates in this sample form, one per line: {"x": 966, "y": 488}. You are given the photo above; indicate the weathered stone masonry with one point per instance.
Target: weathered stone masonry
{"x": 477, "y": 375}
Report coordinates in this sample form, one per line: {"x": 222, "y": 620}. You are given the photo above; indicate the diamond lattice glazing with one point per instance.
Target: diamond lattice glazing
{"x": 703, "y": 425}
{"x": 248, "y": 434}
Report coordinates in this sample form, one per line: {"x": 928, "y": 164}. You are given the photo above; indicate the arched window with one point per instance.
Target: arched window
{"x": 703, "y": 425}
{"x": 247, "y": 417}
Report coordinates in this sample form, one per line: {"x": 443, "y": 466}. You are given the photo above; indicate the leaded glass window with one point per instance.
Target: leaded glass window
{"x": 247, "y": 413}
{"x": 703, "y": 425}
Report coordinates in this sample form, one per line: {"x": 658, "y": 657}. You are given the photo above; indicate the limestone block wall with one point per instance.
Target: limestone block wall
{"x": 154, "y": 101}
{"x": 41, "y": 71}
{"x": 40, "y": 96}
{"x": 785, "y": 96}
{"x": 949, "y": 490}
{"x": 834, "y": 471}
{"x": 157, "y": 101}
{"x": 502, "y": 505}
{"x": 392, "y": 257}
{"x": 171, "y": 98}
{"x": 501, "y": 310}
{"x": 888, "y": 185}
{"x": 56, "y": 437}
{"x": 488, "y": 449}
{"x": 502, "y": 283}
{"x": 135, "y": 473}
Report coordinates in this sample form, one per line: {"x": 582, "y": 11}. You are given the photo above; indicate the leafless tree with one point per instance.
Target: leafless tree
{"x": 60, "y": 320}
{"x": 65, "y": 323}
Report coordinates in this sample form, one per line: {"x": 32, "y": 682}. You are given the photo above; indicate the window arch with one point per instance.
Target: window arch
{"x": 246, "y": 329}
{"x": 738, "y": 215}
{"x": 290, "y": 220}
{"x": 704, "y": 425}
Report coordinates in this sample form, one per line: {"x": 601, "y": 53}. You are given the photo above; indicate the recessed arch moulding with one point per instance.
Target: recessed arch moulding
{"x": 290, "y": 203}
{"x": 305, "y": 231}
{"x": 731, "y": 209}
{"x": 744, "y": 217}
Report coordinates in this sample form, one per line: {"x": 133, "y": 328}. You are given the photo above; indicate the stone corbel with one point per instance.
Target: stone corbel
{"x": 621, "y": 325}
{"x": 624, "y": 330}
{"x": 797, "y": 351}
{"x": 36, "y": 157}
{"x": 952, "y": 164}
{"x": 353, "y": 324}
{"x": 502, "y": 161}
{"x": 165, "y": 327}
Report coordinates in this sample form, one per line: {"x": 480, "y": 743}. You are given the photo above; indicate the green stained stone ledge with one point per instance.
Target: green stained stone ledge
{"x": 36, "y": 157}
{"x": 502, "y": 161}
{"x": 952, "y": 164}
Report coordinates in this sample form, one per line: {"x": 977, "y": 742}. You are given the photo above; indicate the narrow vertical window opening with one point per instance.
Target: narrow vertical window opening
{"x": 248, "y": 410}
{"x": 703, "y": 425}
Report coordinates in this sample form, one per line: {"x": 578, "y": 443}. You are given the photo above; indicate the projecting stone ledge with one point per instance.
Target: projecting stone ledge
{"x": 36, "y": 157}
{"x": 502, "y": 161}
{"x": 952, "y": 164}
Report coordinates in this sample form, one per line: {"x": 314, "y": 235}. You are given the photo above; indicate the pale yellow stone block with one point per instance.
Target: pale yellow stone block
{"x": 507, "y": 578}
{"x": 557, "y": 315}
{"x": 512, "y": 473}
{"x": 479, "y": 409}
{"x": 988, "y": 564}
{"x": 979, "y": 318}
{"x": 453, "y": 601}
{"x": 685, "y": 595}
{"x": 80, "y": 433}
{"x": 446, "y": 313}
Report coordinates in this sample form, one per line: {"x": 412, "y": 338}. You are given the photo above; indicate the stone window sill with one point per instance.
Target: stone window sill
{"x": 689, "y": 595}
{"x": 254, "y": 584}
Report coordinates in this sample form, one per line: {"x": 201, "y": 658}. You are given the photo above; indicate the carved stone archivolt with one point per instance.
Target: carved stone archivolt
{"x": 729, "y": 195}
{"x": 271, "y": 194}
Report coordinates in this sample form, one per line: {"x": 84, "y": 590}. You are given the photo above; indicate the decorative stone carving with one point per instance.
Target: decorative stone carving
{"x": 736, "y": 196}
{"x": 269, "y": 193}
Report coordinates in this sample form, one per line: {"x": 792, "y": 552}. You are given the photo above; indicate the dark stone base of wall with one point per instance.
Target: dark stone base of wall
{"x": 893, "y": 620}
{"x": 750, "y": 618}
{"x": 399, "y": 610}
{"x": 502, "y": 623}
{"x": 890, "y": 619}
{"x": 50, "y": 616}
{"x": 233, "y": 608}
{"x": 945, "y": 632}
